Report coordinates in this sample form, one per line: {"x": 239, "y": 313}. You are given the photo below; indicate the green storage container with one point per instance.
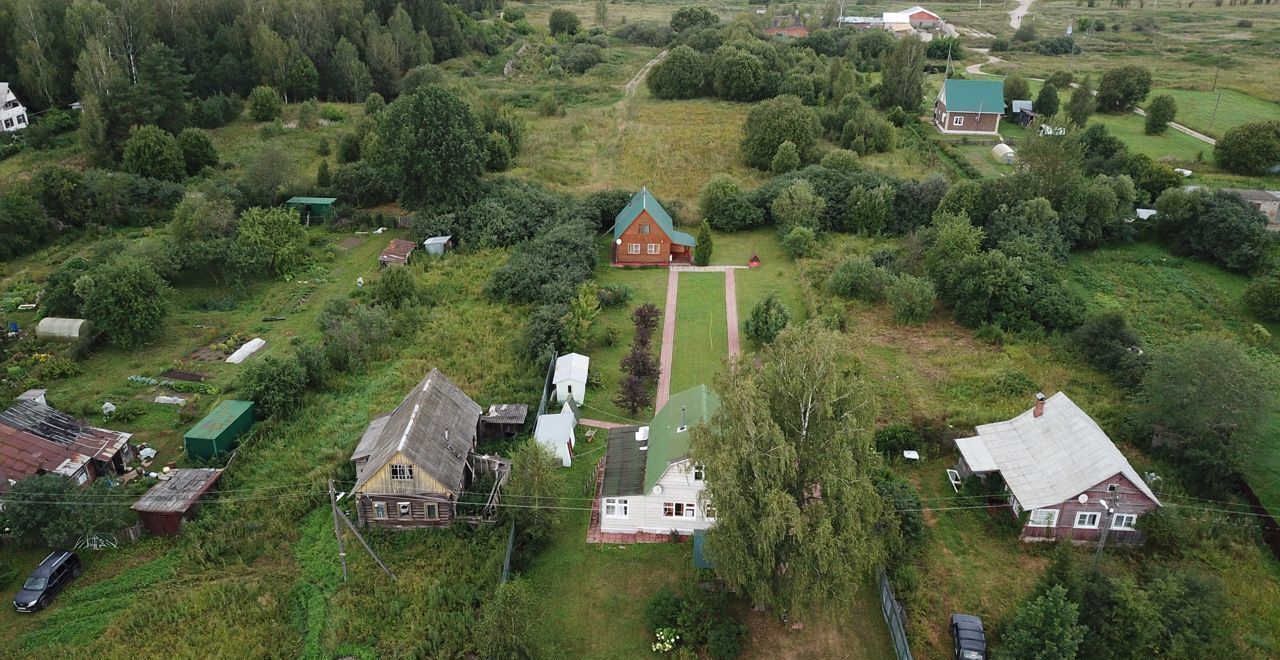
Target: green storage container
{"x": 217, "y": 432}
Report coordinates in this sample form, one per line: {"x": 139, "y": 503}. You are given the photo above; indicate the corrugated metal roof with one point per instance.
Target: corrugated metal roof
{"x": 23, "y": 454}
{"x": 223, "y": 415}
{"x": 435, "y": 427}
{"x": 623, "y": 464}
{"x": 669, "y": 431}
{"x": 644, "y": 201}
{"x": 397, "y": 250}
{"x": 43, "y": 421}
{"x": 1053, "y": 458}
{"x": 973, "y": 95}
{"x": 314, "y": 201}
{"x": 178, "y": 493}
{"x": 506, "y": 413}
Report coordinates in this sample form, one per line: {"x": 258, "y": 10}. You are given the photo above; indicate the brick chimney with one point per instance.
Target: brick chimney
{"x": 1039, "y": 409}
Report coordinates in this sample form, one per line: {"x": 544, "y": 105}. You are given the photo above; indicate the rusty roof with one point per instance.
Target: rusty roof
{"x": 24, "y": 455}
{"x": 397, "y": 250}
{"x": 45, "y": 422}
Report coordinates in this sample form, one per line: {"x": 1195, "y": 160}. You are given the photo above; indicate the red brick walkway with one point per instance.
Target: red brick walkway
{"x": 595, "y": 423}
{"x": 668, "y": 341}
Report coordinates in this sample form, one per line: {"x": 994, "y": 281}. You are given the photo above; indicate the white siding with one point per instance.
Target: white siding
{"x": 564, "y": 387}
{"x": 645, "y": 511}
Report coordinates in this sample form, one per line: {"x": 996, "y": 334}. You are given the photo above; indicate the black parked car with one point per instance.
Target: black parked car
{"x": 51, "y": 576}
{"x": 970, "y": 640}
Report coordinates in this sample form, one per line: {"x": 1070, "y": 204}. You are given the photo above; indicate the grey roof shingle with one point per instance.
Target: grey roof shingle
{"x": 435, "y": 427}
{"x": 624, "y": 464}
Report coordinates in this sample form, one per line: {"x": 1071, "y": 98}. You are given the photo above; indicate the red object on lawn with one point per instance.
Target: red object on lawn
{"x": 755, "y": 261}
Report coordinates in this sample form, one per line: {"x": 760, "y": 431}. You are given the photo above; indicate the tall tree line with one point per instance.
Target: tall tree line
{"x": 60, "y": 51}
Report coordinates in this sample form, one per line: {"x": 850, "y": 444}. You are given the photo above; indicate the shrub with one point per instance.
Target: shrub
{"x": 265, "y": 103}
{"x": 786, "y": 159}
{"x": 125, "y": 299}
{"x": 859, "y": 278}
{"x": 774, "y": 121}
{"x": 682, "y": 75}
{"x": 197, "y": 150}
{"x": 374, "y": 104}
{"x": 581, "y": 57}
{"x": 896, "y": 438}
{"x": 662, "y": 609}
{"x": 153, "y": 153}
{"x": 564, "y": 21}
{"x": 911, "y": 299}
{"x": 724, "y": 642}
{"x": 348, "y": 148}
{"x": 309, "y": 114}
{"x": 1160, "y": 112}
{"x": 725, "y": 207}
{"x": 702, "y": 250}
{"x": 800, "y": 242}
{"x": 798, "y": 205}
{"x": 395, "y": 288}
{"x": 1244, "y": 23}
{"x": 275, "y": 384}
{"x": 645, "y": 33}
{"x": 613, "y": 295}
{"x": 1000, "y": 45}
{"x": 767, "y": 319}
{"x": 217, "y": 110}
{"x": 1262, "y": 297}
{"x": 1251, "y": 148}
{"x": 693, "y": 16}
{"x": 549, "y": 105}
{"x": 843, "y": 160}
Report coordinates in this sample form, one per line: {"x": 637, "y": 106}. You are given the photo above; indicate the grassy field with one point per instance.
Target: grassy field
{"x": 701, "y": 334}
{"x": 1173, "y": 147}
{"x": 1196, "y": 109}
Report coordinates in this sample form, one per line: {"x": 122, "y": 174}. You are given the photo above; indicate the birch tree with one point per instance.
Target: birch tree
{"x": 788, "y": 458}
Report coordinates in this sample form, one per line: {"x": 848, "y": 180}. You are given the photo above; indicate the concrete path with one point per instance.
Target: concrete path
{"x": 668, "y": 340}
{"x": 731, "y": 313}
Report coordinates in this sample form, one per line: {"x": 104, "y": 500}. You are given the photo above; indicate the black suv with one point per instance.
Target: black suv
{"x": 970, "y": 640}
{"x": 51, "y": 576}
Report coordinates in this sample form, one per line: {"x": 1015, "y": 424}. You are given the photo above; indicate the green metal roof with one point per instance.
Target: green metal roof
{"x": 668, "y": 440}
{"x": 216, "y": 422}
{"x": 974, "y": 95}
{"x": 644, "y": 201}
{"x": 314, "y": 201}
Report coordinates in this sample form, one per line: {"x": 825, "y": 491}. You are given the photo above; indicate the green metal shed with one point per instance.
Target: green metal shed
{"x": 312, "y": 208}
{"x": 219, "y": 429}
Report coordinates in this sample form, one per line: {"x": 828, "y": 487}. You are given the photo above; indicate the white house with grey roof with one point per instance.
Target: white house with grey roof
{"x": 13, "y": 115}
{"x": 1061, "y": 468}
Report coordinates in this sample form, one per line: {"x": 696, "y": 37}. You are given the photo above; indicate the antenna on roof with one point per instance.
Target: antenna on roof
{"x": 684, "y": 426}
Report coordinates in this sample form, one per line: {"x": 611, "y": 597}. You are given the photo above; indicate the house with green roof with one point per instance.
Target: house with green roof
{"x": 649, "y": 485}
{"x": 644, "y": 235}
{"x": 969, "y": 107}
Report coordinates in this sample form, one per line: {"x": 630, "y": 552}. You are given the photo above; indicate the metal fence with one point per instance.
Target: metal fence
{"x": 894, "y": 617}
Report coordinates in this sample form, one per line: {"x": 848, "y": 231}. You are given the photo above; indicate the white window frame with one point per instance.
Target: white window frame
{"x": 401, "y": 472}
{"x": 679, "y": 510}
{"x": 1111, "y": 488}
{"x": 957, "y": 120}
{"x": 404, "y": 509}
{"x": 617, "y": 508}
{"x": 8, "y": 123}
{"x": 1097, "y": 519}
{"x": 1052, "y": 515}
{"x": 380, "y": 510}
{"x": 633, "y": 248}
{"x": 1124, "y": 522}
{"x": 655, "y": 248}
{"x": 699, "y": 472}
{"x": 22, "y": 120}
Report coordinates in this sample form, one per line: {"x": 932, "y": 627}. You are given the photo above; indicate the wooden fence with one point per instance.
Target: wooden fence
{"x": 894, "y": 617}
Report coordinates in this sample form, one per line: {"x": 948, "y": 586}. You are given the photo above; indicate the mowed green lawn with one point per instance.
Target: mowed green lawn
{"x": 702, "y": 336}
{"x": 776, "y": 275}
{"x": 1173, "y": 145}
{"x": 1196, "y": 109}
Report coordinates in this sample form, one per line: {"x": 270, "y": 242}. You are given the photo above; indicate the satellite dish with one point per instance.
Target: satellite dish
{"x": 1083, "y": 498}
{"x": 657, "y": 490}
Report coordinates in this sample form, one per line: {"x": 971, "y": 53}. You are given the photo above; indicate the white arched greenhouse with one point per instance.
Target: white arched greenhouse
{"x": 54, "y": 328}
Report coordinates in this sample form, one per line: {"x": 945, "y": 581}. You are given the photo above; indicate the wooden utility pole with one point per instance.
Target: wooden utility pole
{"x": 365, "y": 543}
{"x": 337, "y": 531}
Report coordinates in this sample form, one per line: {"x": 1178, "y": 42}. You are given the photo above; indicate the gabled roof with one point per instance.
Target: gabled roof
{"x": 643, "y": 201}
{"x": 24, "y": 455}
{"x": 572, "y": 366}
{"x": 1050, "y": 459}
{"x": 314, "y": 201}
{"x": 973, "y": 95}
{"x": 45, "y": 422}
{"x": 623, "y": 463}
{"x": 435, "y": 427}
{"x": 556, "y": 426}
{"x": 917, "y": 9}
{"x": 669, "y": 431}
{"x": 895, "y": 17}
{"x": 180, "y": 492}
{"x": 398, "y": 251}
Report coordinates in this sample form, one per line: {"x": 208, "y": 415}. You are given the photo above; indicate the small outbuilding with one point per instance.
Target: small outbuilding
{"x": 173, "y": 501}
{"x": 218, "y": 431}
{"x": 1003, "y": 153}
{"x": 556, "y": 433}
{"x": 504, "y": 420}
{"x": 59, "y": 329}
{"x": 437, "y": 245}
{"x": 396, "y": 253}
{"x": 570, "y": 378}
{"x": 312, "y": 208}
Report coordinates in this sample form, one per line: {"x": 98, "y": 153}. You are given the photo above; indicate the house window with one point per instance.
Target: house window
{"x": 699, "y": 472}
{"x": 633, "y": 248}
{"x": 615, "y": 507}
{"x": 654, "y": 248}
{"x": 709, "y": 510}
{"x": 8, "y": 123}
{"x": 1087, "y": 520}
{"x": 22, "y": 119}
{"x": 1124, "y": 521}
{"x": 1043, "y": 518}
{"x": 957, "y": 121}
{"x": 405, "y": 509}
{"x": 679, "y": 510}
{"x": 380, "y": 510}
{"x": 644, "y": 229}
{"x": 1111, "y": 488}
{"x": 433, "y": 511}
{"x": 401, "y": 472}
